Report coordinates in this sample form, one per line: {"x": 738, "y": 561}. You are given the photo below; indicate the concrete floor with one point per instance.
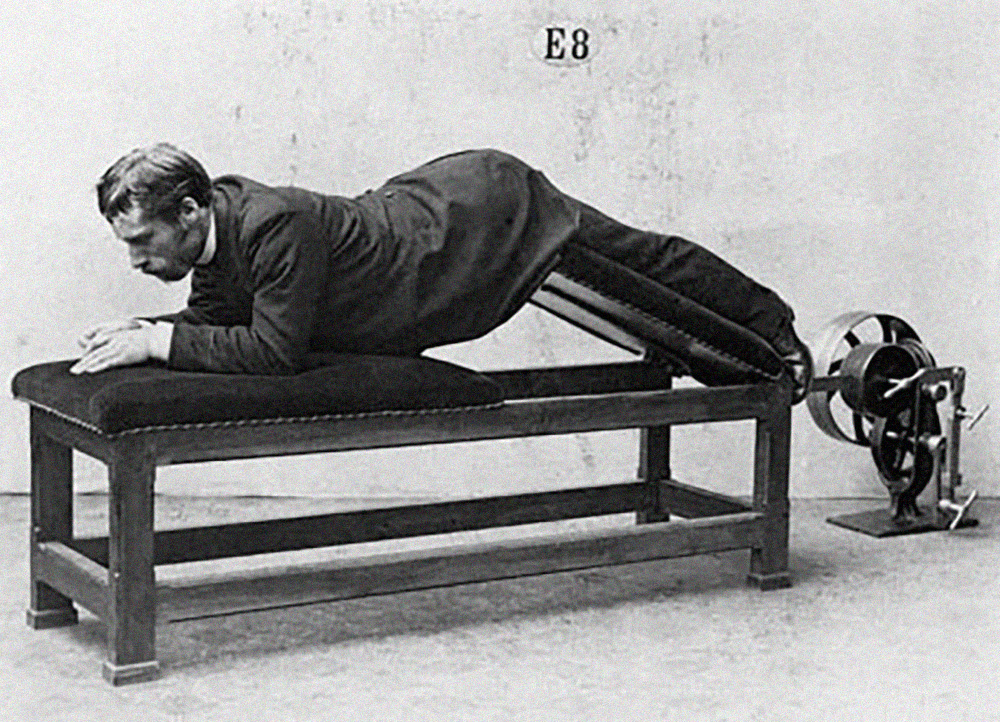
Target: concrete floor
{"x": 899, "y": 629}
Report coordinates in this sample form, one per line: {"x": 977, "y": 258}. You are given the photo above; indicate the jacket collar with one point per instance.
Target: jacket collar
{"x": 208, "y": 252}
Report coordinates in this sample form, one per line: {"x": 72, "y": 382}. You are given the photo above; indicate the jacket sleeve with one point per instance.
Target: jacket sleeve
{"x": 288, "y": 267}
{"x": 209, "y": 304}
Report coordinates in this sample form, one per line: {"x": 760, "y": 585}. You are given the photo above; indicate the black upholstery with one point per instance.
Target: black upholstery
{"x": 132, "y": 398}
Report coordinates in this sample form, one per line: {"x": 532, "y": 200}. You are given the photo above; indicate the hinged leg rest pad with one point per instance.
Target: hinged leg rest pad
{"x": 137, "y": 419}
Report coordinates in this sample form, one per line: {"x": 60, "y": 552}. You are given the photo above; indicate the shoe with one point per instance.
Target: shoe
{"x": 799, "y": 366}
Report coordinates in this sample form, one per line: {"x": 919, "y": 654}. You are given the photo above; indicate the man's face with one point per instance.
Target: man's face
{"x": 155, "y": 246}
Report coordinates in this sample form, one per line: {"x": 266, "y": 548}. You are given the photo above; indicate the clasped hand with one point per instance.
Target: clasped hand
{"x": 118, "y": 343}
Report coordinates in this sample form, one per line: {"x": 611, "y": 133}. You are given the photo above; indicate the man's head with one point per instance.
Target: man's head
{"x": 158, "y": 201}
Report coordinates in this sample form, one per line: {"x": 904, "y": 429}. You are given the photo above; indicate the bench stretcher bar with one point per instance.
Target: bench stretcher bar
{"x": 242, "y": 539}
{"x": 73, "y": 574}
{"x": 461, "y": 564}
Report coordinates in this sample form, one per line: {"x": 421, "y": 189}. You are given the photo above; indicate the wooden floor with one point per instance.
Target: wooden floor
{"x": 899, "y": 629}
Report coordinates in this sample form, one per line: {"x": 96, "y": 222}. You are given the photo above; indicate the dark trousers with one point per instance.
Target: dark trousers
{"x": 693, "y": 272}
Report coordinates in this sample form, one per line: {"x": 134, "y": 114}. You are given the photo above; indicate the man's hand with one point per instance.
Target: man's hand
{"x": 114, "y": 346}
{"x": 98, "y": 335}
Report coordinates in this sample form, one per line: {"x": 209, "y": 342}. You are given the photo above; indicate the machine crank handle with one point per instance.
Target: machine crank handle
{"x": 957, "y": 508}
{"x": 977, "y": 417}
{"x": 937, "y": 391}
{"x": 898, "y": 385}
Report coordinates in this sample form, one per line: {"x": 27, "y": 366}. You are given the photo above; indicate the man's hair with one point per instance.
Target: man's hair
{"x": 155, "y": 179}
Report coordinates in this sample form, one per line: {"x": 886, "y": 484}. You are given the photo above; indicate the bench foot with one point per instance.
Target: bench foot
{"x": 768, "y": 582}
{"x": 52, "y": 618}
{"x": 128, "y": 673}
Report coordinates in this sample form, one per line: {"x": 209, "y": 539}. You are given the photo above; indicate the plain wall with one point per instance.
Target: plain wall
{"x": 842, "y": 153}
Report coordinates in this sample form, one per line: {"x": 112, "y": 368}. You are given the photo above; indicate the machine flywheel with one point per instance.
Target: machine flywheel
{"x": 831, "y": 410}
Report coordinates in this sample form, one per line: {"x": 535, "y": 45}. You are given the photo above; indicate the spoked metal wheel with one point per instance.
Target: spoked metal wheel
{"x": 827, "y": 407}
{"x": 904, "y": 462}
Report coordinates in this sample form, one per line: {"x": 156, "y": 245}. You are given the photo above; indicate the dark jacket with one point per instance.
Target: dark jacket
{"x": 438, "y": 255}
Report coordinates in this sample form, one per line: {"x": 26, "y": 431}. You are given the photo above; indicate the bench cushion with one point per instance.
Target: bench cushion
{"x": 147, "y": 397}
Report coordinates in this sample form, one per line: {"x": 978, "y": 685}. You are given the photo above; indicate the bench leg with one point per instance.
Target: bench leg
{"x": 51, "y": 520}
{"x": 132, "y": 593}
{"x": 654, "y": 469}
{"x": 769, "y": 560}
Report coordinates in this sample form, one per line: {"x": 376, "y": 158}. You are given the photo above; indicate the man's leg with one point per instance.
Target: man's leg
{"x": 701, "y": 276}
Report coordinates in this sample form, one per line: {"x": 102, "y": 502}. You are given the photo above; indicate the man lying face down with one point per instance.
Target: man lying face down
{"x": 441, "y": 254}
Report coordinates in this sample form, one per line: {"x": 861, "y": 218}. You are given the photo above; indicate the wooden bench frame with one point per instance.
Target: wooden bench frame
{"x": 114, "y": 577}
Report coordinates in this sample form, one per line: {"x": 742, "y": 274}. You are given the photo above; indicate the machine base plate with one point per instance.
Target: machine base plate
{"x": 879, "y": 523}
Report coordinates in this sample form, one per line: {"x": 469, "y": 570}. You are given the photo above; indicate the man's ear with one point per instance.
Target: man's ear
{"x": 189, "y": 212}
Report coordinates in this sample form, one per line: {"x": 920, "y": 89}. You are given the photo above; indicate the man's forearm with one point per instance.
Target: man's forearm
{"x": 234, "y": 349}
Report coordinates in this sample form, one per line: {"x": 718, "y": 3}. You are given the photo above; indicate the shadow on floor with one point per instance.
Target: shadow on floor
{"x": 206, "y": 641}
{"x": 823, "y": 557}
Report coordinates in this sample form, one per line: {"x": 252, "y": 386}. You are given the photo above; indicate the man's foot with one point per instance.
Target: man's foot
{"x": 797, "y": 359}
{"x": 799, "y": 365}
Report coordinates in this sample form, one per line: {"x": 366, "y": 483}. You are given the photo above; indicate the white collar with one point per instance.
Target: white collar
{"x": 208, "y": 252}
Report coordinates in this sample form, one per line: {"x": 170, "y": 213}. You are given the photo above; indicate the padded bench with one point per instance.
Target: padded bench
{"x": 139, "y": 418}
